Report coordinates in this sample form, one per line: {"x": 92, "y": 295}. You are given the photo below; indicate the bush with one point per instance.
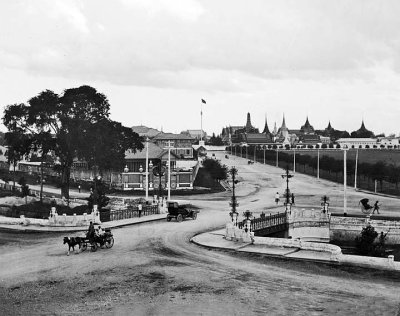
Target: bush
{"x": 366, "y": 245}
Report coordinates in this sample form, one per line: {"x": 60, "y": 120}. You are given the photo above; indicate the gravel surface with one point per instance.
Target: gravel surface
{"x": 153, "y": 269}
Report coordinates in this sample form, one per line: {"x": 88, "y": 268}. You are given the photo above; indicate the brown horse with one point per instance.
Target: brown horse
{"x": 72, "y": 242}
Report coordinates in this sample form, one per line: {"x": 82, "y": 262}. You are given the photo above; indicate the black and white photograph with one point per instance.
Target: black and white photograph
{"x": 198, "y": 157}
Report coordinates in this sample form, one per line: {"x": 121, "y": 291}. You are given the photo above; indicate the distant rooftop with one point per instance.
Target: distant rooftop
{"x": 145, "y": 131}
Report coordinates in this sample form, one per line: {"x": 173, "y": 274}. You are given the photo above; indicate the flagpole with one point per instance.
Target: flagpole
{"x": 201, "y": 121}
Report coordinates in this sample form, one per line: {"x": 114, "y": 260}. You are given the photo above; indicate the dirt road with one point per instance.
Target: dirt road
{"x": 153, "y": 269}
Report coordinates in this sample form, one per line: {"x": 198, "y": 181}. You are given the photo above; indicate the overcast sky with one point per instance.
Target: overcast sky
{"x": 155, "y": 60}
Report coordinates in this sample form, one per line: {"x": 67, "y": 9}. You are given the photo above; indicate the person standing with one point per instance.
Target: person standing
{"x": 277, "y": 198}
{"x": 79, "y": 188}
{"x": 293, "y": 198}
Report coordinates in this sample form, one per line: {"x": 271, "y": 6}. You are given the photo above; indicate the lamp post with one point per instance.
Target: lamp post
{"x": 277, "y": 156}
{"x": 233, "y": 204}
{"x": 159, "y": 172}
{"x": 141, "y": 176}
{"x": 318, "y": 163}
{"x": 287, "y": 193}
{"x": 255, "y": 149}
{"x": 126, "y": 170}
{"x": 325, "y": 204}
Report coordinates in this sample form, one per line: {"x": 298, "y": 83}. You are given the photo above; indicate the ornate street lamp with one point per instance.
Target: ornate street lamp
{"x": 325, "y": 204}
{"x": 233, "y": 204}
{"x": 287, "y": 193}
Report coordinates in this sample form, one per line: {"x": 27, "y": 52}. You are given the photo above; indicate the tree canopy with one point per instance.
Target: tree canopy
{"x": 73, "y": 125}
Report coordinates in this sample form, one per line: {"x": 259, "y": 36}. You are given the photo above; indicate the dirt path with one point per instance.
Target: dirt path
{"x": 153, "y": 269}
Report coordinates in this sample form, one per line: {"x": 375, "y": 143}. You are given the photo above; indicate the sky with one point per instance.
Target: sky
{"x": 336, "y": 61}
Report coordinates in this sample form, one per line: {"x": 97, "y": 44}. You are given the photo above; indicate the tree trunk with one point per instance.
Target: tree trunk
{"x": 14, "y": 177}
{"x": 66, "y": 171}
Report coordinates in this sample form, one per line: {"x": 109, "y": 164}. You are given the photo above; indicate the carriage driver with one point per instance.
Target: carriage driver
{"x": 90, "y": 233}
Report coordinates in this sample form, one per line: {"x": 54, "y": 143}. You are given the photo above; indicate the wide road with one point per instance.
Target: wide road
{"x": 153, "y": 269}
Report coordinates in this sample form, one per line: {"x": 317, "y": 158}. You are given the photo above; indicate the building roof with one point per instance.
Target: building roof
{"x": 307, "y": 127}
{"x": 155, "y": 152}
{"x": 171, "y": 136}
{"x": 145, "y": 131}
{"x": 256, "y": 138}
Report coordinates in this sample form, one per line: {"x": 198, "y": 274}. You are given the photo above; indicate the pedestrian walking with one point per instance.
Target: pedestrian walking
{"x": 277, "y": 198}
{"x": 376, "y": 208}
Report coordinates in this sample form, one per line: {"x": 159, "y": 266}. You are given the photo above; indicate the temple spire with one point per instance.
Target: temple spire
{"x": 283, "y": 122}
{"x": 266, "y": 129}
{"x": 248, "y": 123}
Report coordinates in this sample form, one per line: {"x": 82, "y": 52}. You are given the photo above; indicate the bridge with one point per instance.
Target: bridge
{"x": 267, "y": 225}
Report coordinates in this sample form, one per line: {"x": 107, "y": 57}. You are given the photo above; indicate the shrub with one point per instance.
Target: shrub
{"x": 366, "y": 245}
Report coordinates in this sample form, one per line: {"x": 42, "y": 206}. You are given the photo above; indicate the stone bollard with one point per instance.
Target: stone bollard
{"x": 64, "y": 218}
{"x": 75, "y": 219}
{"x": 84, "y": 217}
{"x": 391, "y": 258}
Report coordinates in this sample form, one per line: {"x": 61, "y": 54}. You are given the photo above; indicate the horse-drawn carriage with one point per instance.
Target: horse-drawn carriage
{"x": 106, "y": 239}
{"x": 366, "y": 208}
{"x": 180, "y": 211}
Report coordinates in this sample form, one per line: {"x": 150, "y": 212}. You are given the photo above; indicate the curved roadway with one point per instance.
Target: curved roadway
{"x": 153, "y": 269}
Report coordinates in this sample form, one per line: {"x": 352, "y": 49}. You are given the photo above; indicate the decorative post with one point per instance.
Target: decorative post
{"x": 287, "y": 193}
{"x": 233, "y": 204}
{"x": 325, "y": 204}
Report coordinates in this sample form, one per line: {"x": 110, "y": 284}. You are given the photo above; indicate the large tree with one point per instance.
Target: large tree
{"x": 79, "y": 124}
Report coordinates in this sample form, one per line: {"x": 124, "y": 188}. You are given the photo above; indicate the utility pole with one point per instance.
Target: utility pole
{"x": 147, "y": 168}
{"x": 355, "y": 171}
{"x": 169, "y": 170}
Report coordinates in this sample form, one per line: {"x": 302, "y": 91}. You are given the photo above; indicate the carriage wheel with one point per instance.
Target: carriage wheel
{"x": 366, "y": 211}
{"x": 84, "y": 246}
{"x": 194, "y": 215}
{"x": 109, "y": 242}
{"x": 93, "y": 247}
{"x": 168, "y": 218}
{"x": 179, "y": 218}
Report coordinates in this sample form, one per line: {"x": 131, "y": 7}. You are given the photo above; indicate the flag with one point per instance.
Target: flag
{"x": 203, "y": 101}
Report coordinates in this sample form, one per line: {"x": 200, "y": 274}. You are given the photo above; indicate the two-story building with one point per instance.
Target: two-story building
{"x": 181, "y": 144}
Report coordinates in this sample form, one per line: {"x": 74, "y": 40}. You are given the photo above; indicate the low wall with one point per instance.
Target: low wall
{"x": 334, "y": 250}
{"x": 348, "y": 228}
{"x": 309, "y": 225}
